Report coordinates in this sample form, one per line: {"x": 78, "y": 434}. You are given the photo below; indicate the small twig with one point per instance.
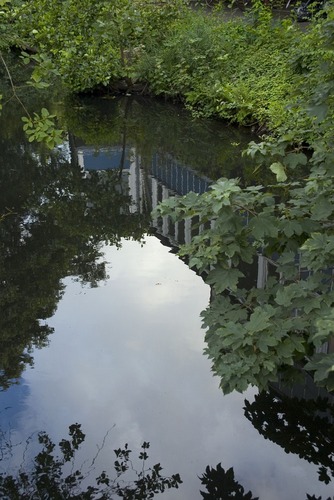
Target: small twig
{"x": 99, "y": 448}
{"x": 26, "y": 448}
{"x": 13, "y": 86}
{"x": 2, "y": 216}
{"x": 246, "y": 209}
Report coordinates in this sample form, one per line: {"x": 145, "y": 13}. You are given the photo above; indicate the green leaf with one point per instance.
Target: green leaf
{"x": 323, "y": 208}
{"x": 44, "y": 113}
{"x": 292, "y": 160}
{"x": 319, "y": 111}
{"x": 260, "y": 319}
{"x": 287, "y": 258}
{"x": 223, "y": 279}
{"x": 282, "y": 298}
{"x": 325, "y": 329}
{"x": 311, "y": 304}
{"x": 278, "y": 169}
{"x": 285, "y": 349}
{"x": 265, "y": 341}
{"x": 291, "y": 227}
{"x": 263, "y": 225}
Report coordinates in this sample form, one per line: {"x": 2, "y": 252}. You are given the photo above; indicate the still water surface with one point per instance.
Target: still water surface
{"x": 114, "y": 311}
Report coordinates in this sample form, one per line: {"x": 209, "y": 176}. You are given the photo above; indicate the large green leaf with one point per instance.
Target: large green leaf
{"x": 223, "y": 279}
{"x": 260, "y": 319}
{"x": 262, "y": 226}
{"x": 278, "y": 169}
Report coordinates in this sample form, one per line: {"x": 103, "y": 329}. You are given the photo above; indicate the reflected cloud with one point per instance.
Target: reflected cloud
{"x": 116, "y": 357}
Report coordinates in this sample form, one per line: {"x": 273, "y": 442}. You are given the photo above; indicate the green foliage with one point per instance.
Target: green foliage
{"x": 8, "y": 35}
{"x": 86, "y": 45}
{"x": 237, "y": 69}
{"x": 248, "y": 70}
{"x": 42, "y": 128}
{"x": 93, "y": 44}
{"x": 253, "y": 333}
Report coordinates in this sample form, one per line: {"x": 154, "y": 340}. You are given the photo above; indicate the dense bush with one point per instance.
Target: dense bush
{"x": 94, "y": 43}
{"x": 238, "y": 70}
{"x": 247, "y": 69}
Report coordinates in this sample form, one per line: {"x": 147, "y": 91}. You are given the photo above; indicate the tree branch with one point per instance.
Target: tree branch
{"x": 13, "y": 86}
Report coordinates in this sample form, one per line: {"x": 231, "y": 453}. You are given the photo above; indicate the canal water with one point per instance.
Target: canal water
{"x": 100, "y": 320}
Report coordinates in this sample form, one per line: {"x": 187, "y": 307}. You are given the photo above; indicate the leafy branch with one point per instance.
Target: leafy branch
{"x": 46, "y": 477}
{"x": 255, "y": 333}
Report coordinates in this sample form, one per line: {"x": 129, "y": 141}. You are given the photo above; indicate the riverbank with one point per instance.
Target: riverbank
{"x": 243, "y": 67}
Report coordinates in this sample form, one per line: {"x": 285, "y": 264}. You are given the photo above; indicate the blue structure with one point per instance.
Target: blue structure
{"x": 103, "y": 159}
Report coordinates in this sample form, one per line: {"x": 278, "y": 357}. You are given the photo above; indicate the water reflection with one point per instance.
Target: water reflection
{"x": 210, "y": 148}
{"x": 129, "y": 351}
{"x": 301, "y": 426}
{"x": 221, "y": 484}
{"x": 57, "y": 208}
{"x": 53, "y": 472}
{"x": 56, "y": 219}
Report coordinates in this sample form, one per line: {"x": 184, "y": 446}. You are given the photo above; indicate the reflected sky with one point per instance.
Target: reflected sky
{"x": 128, "y": 354}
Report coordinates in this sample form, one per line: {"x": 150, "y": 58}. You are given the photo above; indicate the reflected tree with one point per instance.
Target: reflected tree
{"x": 301, "y": 426}
{"x": 209, "y": 147}
{"x": 54, "y": 219}
{"x": 222, "y": 485}
{"x": 55, "y": 474}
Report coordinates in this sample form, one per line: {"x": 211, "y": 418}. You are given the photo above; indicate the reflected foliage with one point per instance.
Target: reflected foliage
{"x": 211, "y": 148}
{"x": 55, "y": 474}
{"x": 54, "y": 218}
{"x": 301, "y": 426}
{"x": 221, "y": 485}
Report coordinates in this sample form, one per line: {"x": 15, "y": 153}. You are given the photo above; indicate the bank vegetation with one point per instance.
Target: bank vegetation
{"x": 253, "y": 70}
